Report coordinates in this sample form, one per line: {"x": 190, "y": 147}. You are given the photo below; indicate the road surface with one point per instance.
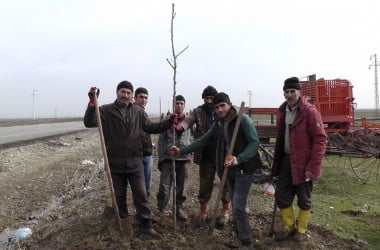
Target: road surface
{"x": 12, "y": 135}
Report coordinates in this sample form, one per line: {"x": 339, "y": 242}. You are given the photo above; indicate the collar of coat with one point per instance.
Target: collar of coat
{"x": 302, "y": 104}
{"x": 116, "y": 107}
{"x": 232, "y": 114}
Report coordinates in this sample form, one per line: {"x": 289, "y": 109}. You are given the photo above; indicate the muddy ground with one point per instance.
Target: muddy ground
{"x": 57, "y": 187}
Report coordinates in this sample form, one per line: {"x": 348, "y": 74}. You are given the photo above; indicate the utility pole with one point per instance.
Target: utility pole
{"x": 375, "y": 64}
{"x": 160, "y": 105}
{"x": 34, "y": 106}
{"x": 249, "y": 96}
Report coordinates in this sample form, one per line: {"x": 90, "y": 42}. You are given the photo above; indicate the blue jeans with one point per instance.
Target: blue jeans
{"x": 238, "y": 188}
{"x": 148, "y": 165}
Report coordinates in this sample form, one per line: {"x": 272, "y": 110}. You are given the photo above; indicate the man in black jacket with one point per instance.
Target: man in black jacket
{"x": 122, "y": 123}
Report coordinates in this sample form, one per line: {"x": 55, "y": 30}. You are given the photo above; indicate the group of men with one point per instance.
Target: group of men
{"x": 299, "y": 149}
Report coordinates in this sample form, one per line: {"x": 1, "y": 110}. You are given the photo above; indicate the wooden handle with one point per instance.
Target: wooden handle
{"x": 223, "y": 181}
{"x": 106, "y": 163}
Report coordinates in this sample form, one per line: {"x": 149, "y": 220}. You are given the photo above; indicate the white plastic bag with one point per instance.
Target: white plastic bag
{"x": 268, "y": 189}
{"x": 21, "y": 234}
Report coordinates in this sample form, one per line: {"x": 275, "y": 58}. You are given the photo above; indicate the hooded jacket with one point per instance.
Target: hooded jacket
{"x": 307, "y": 142}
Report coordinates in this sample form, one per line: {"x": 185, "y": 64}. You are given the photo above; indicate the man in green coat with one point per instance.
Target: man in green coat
{"x": 241, "y": 163}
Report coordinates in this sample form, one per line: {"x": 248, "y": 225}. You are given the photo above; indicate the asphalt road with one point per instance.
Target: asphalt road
{"x": 12, "y": 135}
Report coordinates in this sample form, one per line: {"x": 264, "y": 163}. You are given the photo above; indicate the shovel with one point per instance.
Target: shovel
{"x": 223, "y": 181}
{"x": 118, "y": 227}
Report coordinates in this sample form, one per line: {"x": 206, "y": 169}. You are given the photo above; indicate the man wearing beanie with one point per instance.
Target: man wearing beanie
{"x": 203, "y": 117}
{"x": 299, "y": 150}
{"x": 141, "y": 99}
{"x": 241, "y": 163}
{"x": 122, "y": 122}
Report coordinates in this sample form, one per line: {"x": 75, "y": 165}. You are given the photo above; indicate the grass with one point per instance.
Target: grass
{"x": 339, "y": 198}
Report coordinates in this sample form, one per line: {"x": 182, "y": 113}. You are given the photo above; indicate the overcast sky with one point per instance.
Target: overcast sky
{"x": 62, "y": 47}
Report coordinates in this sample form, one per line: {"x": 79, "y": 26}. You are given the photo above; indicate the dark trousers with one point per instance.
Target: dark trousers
{"x": 286, "y": 191}
{"x": 166, "y": 180}
{"x": 207, "y": 172}
{"x": 137, "y": 182}
{"x": 239, "y": 185}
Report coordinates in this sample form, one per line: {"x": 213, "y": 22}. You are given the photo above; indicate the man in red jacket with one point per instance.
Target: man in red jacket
{"x": 300, "y": 147}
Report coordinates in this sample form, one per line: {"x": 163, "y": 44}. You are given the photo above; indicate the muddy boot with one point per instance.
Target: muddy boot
{"x": 288, "y": 230}
{"x": 147, "y": 228}
{"x": 202, "y": 215}
{"x": 224, "y": 215}
{"x": 235, "y": 242}
{"x": 303, "y": 219}
{"x": 181, "y": 215}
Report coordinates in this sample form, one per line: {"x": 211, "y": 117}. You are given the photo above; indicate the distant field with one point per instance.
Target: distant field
{"x": 20, "y": 122}
{"x": 367, "y": 113}
{"x": 262, "y": 119}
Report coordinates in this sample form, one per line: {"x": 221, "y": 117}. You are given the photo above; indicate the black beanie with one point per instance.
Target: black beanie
{"x": 292, "y": 83}
{"x": 209, "y": 91}
{"x": 141, "y": 90}
{"x": 180, "y": 98}
{"x": 124, "y": 84}
{"x": 221, "y": 97}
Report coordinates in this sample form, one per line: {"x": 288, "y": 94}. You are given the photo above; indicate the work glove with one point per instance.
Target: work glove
{"x": 91, "y": 95}
{"x": 173, "y": 151}
{"x": 173, "y": 119}
{"x": 230, "y": 161}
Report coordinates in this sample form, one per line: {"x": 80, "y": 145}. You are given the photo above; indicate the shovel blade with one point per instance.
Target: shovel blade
{"x": 112, "y": 221}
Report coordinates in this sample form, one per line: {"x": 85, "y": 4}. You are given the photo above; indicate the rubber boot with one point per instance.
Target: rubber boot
{"x": 224, "y": 214}
{"x": 303, "y": 219}
{"x": 288, "y": 220}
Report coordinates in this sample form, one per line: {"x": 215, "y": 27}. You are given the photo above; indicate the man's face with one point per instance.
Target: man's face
{"x": 292, "y": 96}
{"x": 124, "y": 96}
{"x": 141, "y": 99}
{"x": 179, "y": 107}
{"x": 208, "y": 99}
{"x": 222, "y": 109}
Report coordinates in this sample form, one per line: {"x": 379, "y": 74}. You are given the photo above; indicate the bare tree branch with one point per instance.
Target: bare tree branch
{"x": 182, "y": 51}
{"x": 171, "y": 65}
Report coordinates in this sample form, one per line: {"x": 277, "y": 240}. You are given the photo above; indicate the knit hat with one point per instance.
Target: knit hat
{"x": 209, "y": 91}
{"x": 292, "y": 83}
{"x": 141, "y": 90}
{"x": 221, "y": 97}
{"x": 124, "y": 84}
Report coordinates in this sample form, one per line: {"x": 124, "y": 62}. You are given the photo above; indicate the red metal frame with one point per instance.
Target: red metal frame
{"x": 332, "y": 98}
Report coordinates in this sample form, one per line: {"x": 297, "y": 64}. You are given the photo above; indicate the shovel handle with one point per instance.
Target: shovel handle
{"x": 106, "y": 163}
{"x": 223, "y": 181}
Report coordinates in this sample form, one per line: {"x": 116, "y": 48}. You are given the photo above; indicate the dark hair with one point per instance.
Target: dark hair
{"x": 141, "y": 90}
{"x": 180, "y": 98}
{"x": 124, "y": 84}
{"x": 221, "y": 97}
{"x": 209, "y": 91}
{"x": 292, "y": 83}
